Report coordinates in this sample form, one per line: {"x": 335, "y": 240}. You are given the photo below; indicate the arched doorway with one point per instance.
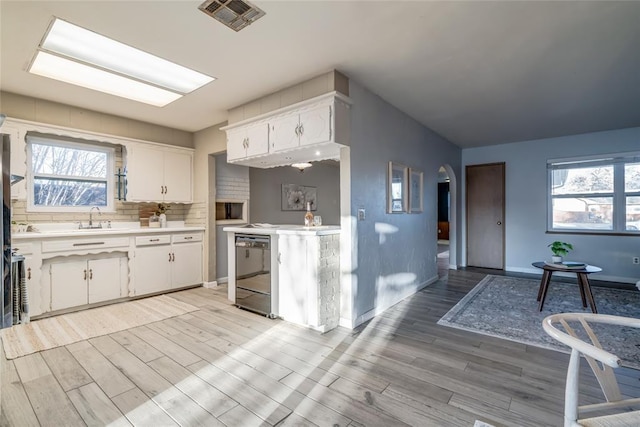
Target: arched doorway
{"x": 446, "y": 217}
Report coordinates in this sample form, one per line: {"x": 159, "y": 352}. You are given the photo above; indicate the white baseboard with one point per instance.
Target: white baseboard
{"x": 210, "y": 285}
{"x": 453, "y": 267}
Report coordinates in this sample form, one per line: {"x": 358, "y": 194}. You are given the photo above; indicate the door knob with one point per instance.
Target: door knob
{"x": 499, "y": 222}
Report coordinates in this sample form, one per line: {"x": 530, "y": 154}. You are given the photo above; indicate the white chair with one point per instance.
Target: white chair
{"x": 603, "y": 371}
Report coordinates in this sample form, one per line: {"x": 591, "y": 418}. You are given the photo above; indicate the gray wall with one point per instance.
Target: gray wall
{"x": 396, "y": 253}
{"x": 266, "y": 190}
{"x": 225, "y": 172}
{"x": 526, "y": 202}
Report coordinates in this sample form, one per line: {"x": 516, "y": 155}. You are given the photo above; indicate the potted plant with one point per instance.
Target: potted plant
{"x": 160, "y": 212}
{"x": 559, "y": 249}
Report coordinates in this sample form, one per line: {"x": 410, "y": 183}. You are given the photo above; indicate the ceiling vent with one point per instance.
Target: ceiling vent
{"x": 235, "y": 14}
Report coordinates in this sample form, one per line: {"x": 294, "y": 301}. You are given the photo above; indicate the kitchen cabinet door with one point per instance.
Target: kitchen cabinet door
{"x": 32, "y": 277}
{"x": 283, "y": 133}
{"x": 186, "y": 265}
{"x": 18, "y": 160}
{"x": 177, "y": 177}
{"x": 293, "y": 278}
{"x": 315, "y": 125}
{"x": 105, "y": 279}
{"x": 68, "y": 284}
{"x": 152, "y": 269}
{"x": 257, "y": 139}
{"x": 247, "y": 141}
{"x": 145, "y": 174}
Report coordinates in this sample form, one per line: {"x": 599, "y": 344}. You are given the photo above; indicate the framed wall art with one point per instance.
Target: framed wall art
{"x": 397, "y": 188}
{"x": 415, "y": 191}
{"x": 295, "y": 197}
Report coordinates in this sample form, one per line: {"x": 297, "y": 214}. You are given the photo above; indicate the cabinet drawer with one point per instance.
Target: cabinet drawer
{"x": 23, "y": 248}
{"x": 84, "y": 243}
{"x": 153, "y": 240}
{"x": 185, "y": 238}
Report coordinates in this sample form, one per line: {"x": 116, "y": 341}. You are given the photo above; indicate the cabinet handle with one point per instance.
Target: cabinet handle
{"x": 88, "y": 243}
{"x": 301, "y": 129}
{"x": 85, "y": 274}
{"x": 165, "y": 190}
{"x": 173, "y": 257}
{"x": 169, "y": 256}
{"x": 154, "y": 240}
{"x": 29, "y": 273}
{"x": 188, "y": 238}
{"x": 90, "y": 273}
{"x": 161, "y": 189}
{"x": 297, "y": 131}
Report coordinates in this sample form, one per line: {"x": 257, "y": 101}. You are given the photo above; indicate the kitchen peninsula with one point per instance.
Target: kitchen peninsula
{"x": 298, "y": 268}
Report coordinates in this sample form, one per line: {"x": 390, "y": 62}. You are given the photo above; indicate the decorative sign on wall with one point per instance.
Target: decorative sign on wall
{"x": 295, "y": 197}
{"x": 397, "y": 190}
{"x": 415, "y": 191}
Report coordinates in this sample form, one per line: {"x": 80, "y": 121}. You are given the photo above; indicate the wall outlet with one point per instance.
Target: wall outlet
{"x": 636, "y": 260}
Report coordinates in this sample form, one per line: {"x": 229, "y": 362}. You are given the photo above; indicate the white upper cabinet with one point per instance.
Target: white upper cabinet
{"x": 310, "y": 126}
{"x": 18, "y": 158}
{"x": 248, "y": 141}
{"x": 311, "y": 130}
{"x": 158, "y": 174}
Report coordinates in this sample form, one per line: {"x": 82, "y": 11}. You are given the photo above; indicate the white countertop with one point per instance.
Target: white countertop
{"x": 271, "y": 229}
{"x": 48, "y": 234}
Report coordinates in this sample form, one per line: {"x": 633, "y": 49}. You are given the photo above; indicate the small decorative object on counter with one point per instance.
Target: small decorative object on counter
{"x": 154, "y": 221}
{"x": 317, "y": 220}
{"x": 308, "y": 217}
{"x": 162, "y": 208}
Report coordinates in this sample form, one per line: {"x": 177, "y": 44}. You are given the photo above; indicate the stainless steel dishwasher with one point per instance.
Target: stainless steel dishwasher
{"x": 253, "y": 273}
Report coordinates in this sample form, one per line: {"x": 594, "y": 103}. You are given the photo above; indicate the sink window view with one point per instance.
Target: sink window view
{"x": 353, "y": 213}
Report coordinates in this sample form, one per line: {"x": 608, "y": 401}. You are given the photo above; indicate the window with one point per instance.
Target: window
{"x": 595, "y": 195}
{"x": 67, "y": 176}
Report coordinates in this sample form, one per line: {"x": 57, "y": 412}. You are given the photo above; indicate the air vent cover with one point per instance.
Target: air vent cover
{"x": 235, "y": 14}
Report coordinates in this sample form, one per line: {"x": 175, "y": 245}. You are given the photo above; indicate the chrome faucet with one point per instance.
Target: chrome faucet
{"x": 91, "y": 219}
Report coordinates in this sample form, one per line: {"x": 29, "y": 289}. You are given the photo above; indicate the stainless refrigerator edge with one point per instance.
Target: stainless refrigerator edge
{"x": 7, "y": 290}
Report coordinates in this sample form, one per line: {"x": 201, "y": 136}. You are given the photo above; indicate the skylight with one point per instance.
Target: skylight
{"x": 78, "y": 56}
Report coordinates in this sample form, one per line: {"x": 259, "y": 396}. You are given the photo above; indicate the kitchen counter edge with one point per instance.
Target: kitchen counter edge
{"x": 323, "y": 230}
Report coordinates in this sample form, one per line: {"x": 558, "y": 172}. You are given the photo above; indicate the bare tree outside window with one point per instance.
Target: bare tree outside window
{"x": 69, "y": 174}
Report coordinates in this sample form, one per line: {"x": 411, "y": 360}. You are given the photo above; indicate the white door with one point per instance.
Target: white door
{"x": 186, "y": 268}
{"x": 145, "y": 174}
{"x": 104, "y": 277}
{"x": 257, "y": 139}
{"x": 152, "y": 269}
{"x": 315, "y": 125}
{"x": 68, "y": 284}
{"x": 177, "y": 177}
{"x": 236, "y": 144}
{"x": 283, "y": 133}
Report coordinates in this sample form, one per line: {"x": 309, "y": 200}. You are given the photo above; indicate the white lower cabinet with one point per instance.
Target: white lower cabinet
{"x": 167, "y": 261}
{"x": 86, "y": 281}
{"x": 152, "y": 268}
{"x": 186, "y": 267}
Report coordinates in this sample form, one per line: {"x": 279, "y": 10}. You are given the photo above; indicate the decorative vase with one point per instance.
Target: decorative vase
{"x": 154, "y": 221}
{"x": 556, "y": 259}
{"x": 163, "y": 220}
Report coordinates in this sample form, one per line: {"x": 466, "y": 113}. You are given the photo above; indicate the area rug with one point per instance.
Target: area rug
{"x": 506, "y": 307}
{"x": 44, "y": 334}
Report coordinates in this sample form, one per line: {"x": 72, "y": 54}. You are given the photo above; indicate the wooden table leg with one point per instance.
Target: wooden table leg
{"x": 581, "y": 287}
{"x": 545, "y": 287}
{"x": 587, "y": 289}
{"x": 544, "y": 279}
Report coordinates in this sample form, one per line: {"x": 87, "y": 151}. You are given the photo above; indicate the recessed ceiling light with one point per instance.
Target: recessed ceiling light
{"x": 67, "y": 48}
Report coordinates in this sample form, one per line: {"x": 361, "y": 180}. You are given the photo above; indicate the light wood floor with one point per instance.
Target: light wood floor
{"x": 224, "y": 366}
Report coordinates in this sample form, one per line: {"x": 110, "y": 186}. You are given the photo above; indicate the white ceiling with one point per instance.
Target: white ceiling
{"x": 478, "y": 73}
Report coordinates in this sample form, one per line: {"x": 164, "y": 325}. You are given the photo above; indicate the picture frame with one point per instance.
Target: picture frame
{"x": 416, "y": 189}
{"x": 295, "y": 197}
{"x": 397, "y": 188}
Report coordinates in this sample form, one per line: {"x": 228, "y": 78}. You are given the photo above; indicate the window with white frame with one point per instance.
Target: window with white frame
{"x": 599, "y": 195}
{"x": 67, "y": 175}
